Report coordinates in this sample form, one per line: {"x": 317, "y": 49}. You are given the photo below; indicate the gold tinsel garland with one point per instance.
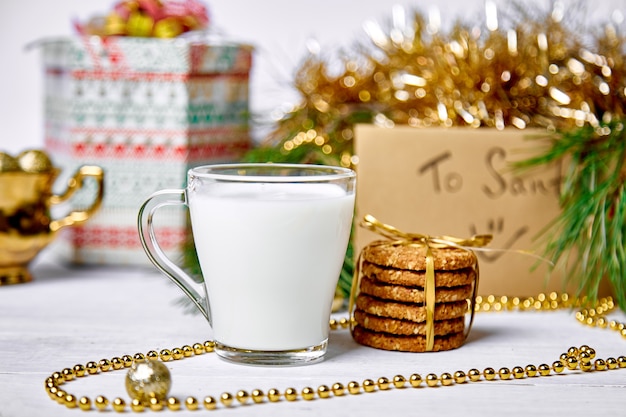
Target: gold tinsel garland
{"x": 542, "y": 72}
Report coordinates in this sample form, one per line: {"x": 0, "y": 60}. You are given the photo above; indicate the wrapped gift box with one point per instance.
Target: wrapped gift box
{"x": 145, "y": 110}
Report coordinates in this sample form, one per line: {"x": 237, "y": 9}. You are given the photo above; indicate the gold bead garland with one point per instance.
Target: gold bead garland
{"x": 583, "y": 358}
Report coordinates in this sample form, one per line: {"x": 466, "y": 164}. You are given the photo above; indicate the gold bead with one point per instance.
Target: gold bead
{"x": 8, "y": 163}
{"x": 136, "y": 405}
{"x": 209, "y": 403}
{"x": 34, "y": 161}
{"x": 117, "y": 363}
{"x": 591, "y": 352}
{"x": 369, "y": 385}
{"x": 333, "y": 324}
{"x": 58, "y": 377}
{"x": 611, "y": 363}
{"x": 489, "y": 374}
{"x": 504, "y": 373}
{"x": 191, "y": 403}
{"x": 584, "y": 357}
{"x": 573, "y": 351}
{"x": 91, "y": 368}
{"x": 68, "y": 374}
{"x": 119, "y": 405}
{"x": 209, "y": 346}
{"x": 70, "y": 401}
{"x": 242, "y": 396}
{"x": 446, "y": 379}
{"x": 84, "y": 403}
{"x": 354, "y": 388}
{"x": 383, "y": 383}
{"x": 564, "y": 357}
{"x": 460, "y": 377}
{"x": 187, "y": 351}
{"x": 177, "y": 353}
{"x": 621, "y": 361}
{"x": 257, "y": 396}
{"x": 531, "y": 370}
{"x": 198, "y": 349}
{"x": 104, "y": 365}
{"x": 398, "y": 381}
{"x": 226, "y": 398}
{"x": 308, "y": 393}
{"x": 291, "y": 394}
{"x": 518, "y": 372}
{"x": 138, "y": 357}
{"x": 165, "y": 355}
{"x": 338, "y": 389}
{"x": 101, "y": 402}
{"x": 155, "y": 404}
{"x": 173, "y": 404}
{"x": 323, "y": 391}
{"x": 432, "y": 380}
{"x": 79, "y": 370}
{"x": 128, "y": 361}
{"x": 344, "y": 323}
{"x": 599, "y": 364}
{"x": 585, "y": 366}
{"x": 415, "y": 380}
{"x": 572, "y": 363}
{"x": 148, "y": 379}
{"x": 273, "y": 395}
{"x": 152, "y": 355}
{"x": 544, "y": 369}
{"x": 473, "y": 375}
{"x": 60, "y": 396}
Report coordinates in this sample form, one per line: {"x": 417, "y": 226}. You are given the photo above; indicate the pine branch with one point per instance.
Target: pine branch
{"x": 588, "y": 237}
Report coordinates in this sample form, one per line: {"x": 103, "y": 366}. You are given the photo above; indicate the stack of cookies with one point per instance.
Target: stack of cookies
{"x": 390, "y": 309}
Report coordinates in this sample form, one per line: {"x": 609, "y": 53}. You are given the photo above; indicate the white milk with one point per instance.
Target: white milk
{"x": 271, "y": 255}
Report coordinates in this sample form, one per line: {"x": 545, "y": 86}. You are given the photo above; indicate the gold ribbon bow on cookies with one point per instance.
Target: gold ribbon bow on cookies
{"x": 397, "y": 237}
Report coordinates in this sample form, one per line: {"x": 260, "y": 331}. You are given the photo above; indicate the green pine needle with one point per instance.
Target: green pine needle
{"x": 588, "y": 237}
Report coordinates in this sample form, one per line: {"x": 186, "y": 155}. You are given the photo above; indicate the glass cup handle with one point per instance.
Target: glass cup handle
{"x": 155, "y": 253}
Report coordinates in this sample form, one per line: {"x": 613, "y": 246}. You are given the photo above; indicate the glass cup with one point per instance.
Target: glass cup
{"x": 271, "y": 240}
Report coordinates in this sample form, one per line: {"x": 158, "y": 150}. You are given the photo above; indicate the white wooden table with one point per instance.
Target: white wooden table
{"x": 73, "y": 315}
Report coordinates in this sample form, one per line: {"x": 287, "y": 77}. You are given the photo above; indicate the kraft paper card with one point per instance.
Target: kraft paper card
{"x": 460, "y": 182}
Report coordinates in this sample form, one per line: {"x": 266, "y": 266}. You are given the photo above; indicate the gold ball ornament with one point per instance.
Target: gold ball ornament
{"x": 148, "y": 379}
{"x": 35, "y": 161}
{"x": 8, "y": 163}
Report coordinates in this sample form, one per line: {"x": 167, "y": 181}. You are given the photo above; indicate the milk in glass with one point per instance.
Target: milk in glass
{"x": 266, "y": 249}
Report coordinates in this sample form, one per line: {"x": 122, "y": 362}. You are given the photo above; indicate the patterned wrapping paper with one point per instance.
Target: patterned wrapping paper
{"x": 145, "y": 110}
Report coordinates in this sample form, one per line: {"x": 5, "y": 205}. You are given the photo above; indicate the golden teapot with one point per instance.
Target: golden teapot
{"x": 26, "y": 226}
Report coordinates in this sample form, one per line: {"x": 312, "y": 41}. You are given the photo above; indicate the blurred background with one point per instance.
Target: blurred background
{"x": 282, "y": 31}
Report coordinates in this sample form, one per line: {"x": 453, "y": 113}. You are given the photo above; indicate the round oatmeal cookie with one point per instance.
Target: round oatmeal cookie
{"x": 414, "y": 257}
{"x": 412, "y": 294}
{"x": 387, "y": 341}
{"x": 412, "y": 312}
{"x": 406, "y": 327}
{"x": 405, "y": 277}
